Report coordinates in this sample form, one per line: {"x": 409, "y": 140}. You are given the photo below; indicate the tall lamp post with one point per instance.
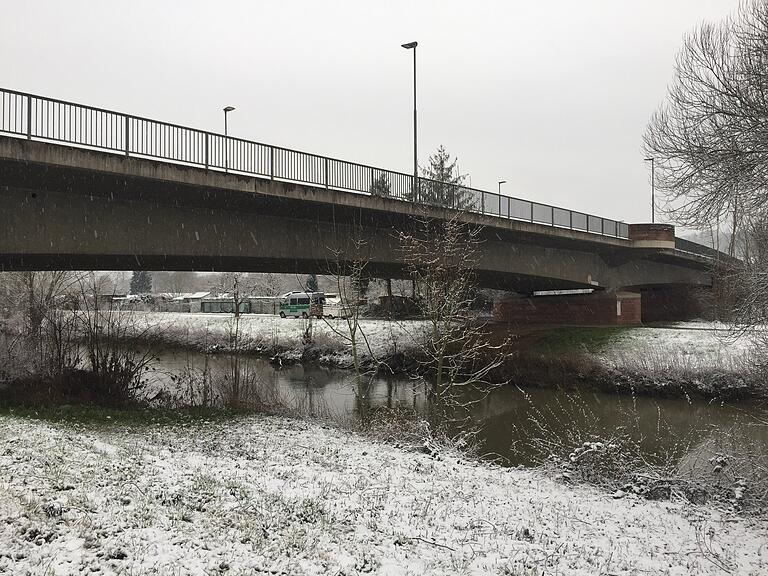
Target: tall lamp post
{"x": 409, "y": 46}
{"x": 653, "y": 188}
{"x": 227, "y": 110}
{"x": 500, "y": 183}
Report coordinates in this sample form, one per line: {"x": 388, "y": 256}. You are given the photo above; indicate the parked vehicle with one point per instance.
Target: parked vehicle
{"x": 334, "y": 307}
{"x": 302, "y": 304}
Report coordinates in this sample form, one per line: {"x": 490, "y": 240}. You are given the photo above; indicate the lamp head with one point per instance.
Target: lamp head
{"x": 229, "y": 109}
{"x": 410, "y": 45}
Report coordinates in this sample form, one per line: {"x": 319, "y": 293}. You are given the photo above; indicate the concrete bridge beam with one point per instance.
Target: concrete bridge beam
{"x": 70, "y": 208}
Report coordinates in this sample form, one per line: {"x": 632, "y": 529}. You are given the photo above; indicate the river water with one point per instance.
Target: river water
{"x": 516, "y": 426}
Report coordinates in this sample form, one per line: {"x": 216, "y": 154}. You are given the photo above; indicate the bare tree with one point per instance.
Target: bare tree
{"x": 175, "y": 283}
{"x": 455, "y": 353}
{"x": 708, "y": 139}
{"x": 40, "y": 292}
{"x": 39, "y": 299}
{"x": 350, "y": 280}
{"x": 749, "y": 286}
{"x": 267, "y": 284}
{"x": 106, "y": 333}
{"x": 709, "y": 142}
{"x": 237, "y": 286}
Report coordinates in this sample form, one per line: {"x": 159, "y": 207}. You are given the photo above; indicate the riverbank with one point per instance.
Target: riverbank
{"x": 264, "y": 494}
{"x": 687, "y": 358}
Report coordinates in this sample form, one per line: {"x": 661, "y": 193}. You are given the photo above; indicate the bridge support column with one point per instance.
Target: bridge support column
{"x": 598, "y": 308}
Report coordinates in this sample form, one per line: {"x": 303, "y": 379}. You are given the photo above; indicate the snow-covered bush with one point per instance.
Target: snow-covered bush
{"x": 729, "y": 466}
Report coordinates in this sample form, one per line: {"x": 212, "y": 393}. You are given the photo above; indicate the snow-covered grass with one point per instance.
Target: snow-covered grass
{"x": 691, "y": 357}
{"x": 692, "y": 345}
{"x": 681, "y": 346}
{"x": 265, "y": 495}
{"x": 272, "y": 333}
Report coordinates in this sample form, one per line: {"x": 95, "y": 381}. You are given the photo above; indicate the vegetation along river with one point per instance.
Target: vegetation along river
{"x": 516, "y": 426}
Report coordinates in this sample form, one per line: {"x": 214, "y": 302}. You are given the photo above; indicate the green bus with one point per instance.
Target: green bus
{"x": 302, "y": 304}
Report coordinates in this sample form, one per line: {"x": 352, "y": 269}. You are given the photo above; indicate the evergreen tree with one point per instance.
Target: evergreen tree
{"x": 312, "y": 283}
{"x": 443, "y": 185}
{"x": 381, "y": 186}
{"x": 141, "y": 282}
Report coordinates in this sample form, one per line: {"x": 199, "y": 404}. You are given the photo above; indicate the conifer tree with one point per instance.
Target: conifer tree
{"x": 380, "y": 186}
{"x": 442, "y": 184}
{"x": 141, "y": 282}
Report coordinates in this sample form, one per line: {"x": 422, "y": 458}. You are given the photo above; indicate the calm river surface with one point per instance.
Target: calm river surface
{"x": 512, "y": 422}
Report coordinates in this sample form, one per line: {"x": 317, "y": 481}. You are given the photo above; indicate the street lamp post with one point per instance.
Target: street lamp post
{"x": 409, "y": 46}
{"x": 500, "y": 183}
{"x": 653, "y": 188}
{"x": 227, "y": 110}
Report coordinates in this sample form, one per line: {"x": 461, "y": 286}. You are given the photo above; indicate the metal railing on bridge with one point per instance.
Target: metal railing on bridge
{"x": 30, "y": 116}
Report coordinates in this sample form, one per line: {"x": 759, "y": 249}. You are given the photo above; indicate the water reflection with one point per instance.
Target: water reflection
{"x": 517, "y": 425}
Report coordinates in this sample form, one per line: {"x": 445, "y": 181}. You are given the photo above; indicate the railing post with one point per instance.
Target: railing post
{"x": 570, "y": 216}
{"x": 207, "y": 157}
{"x": 29, "y": 117}
{"x": 325, "y": 168}
{"x": 531, "y": 212}
{"x": 127, "y": 134}
{"x": 272, "y": 162}
{"x": 482, "y": 202}
{"x": 552, "y": 215}
{"x": 602, "y": 226}
{"x": 370, "y": 188}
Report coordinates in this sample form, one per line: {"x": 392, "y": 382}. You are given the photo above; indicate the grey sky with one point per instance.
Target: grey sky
{"x": 551, "y": 96}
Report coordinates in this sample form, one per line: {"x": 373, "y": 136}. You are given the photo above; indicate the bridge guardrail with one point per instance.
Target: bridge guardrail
{"x": 30, "y": 116}
{"x": 705, "y": 251}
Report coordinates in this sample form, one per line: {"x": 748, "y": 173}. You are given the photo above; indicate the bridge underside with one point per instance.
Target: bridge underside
{"x": 66, "y": 208}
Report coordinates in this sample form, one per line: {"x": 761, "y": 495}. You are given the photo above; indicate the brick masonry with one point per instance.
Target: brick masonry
{"x": 599, "y": 308}
{"x": 661, "y": 232}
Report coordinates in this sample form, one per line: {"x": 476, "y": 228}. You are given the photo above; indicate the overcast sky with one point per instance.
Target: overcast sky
{"x": 552, "y": 96}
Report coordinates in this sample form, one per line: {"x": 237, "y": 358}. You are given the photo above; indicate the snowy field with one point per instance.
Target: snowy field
{"x": 265, "y": 495}
{"x": 680, "y": 347}
{"x": 385, "y": 337}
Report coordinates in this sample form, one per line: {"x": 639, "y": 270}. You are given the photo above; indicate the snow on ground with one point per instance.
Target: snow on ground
{"x": 676, "y": 349}
{"x": 680, "y": 346}
{"x": 384, "y": 336}
{"x": 265, "y": 495}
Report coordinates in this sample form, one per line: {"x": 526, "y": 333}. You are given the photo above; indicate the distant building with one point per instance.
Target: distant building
{"x": 108, "y": 298}
{"x": 190, "y": 301}
{"x": 225, "y": 304}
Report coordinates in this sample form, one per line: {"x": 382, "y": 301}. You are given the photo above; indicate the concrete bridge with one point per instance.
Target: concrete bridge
{"x": 84, "y": 188}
